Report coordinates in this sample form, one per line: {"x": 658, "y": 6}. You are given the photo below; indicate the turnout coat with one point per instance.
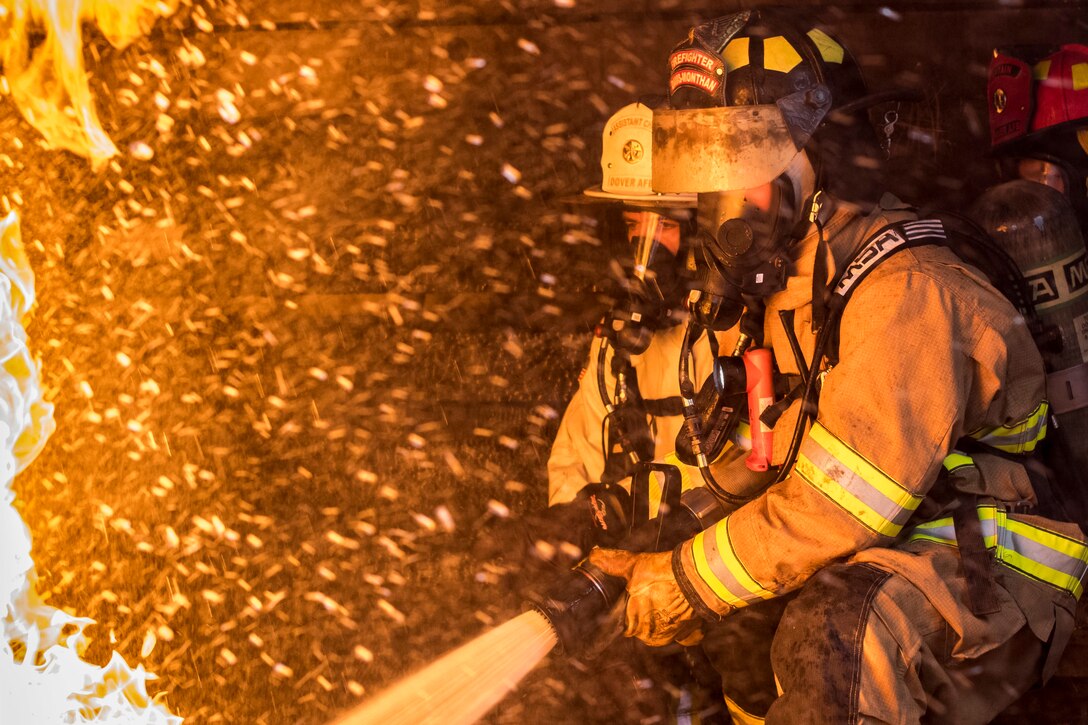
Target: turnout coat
{"x": 930, "y": 355}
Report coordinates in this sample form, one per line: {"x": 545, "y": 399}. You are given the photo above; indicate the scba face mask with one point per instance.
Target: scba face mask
{"x": 745, "y": 235}
{"x": 654, "y": 278}
{"x": 658, "y": 243}
{"x": 744, "y": 241}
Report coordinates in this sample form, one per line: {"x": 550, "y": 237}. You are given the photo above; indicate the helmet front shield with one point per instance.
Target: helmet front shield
{"x": 731, "y": 148}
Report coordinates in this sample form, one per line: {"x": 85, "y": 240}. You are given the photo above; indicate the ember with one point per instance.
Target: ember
{"x": 310, "y": 308}
{"x": 42, "y": 677}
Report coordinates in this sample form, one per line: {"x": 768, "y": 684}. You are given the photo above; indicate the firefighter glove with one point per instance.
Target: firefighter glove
{"x": 658, "y": 613}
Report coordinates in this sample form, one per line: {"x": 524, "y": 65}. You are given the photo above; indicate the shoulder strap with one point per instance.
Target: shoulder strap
{"x": 881, "y": 245}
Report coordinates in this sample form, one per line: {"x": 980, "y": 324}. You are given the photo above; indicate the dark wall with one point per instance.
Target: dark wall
{"x": 360, "y": 306}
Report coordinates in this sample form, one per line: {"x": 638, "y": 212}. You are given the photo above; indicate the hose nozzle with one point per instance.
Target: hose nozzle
{"x": 577, "y": 605}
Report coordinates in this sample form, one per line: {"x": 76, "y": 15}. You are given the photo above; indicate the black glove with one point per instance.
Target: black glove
{"x": 559, "y": 536}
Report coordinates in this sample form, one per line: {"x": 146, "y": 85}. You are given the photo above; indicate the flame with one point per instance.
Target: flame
{"x": 42, "y": 678}
{"x": 49, "y": 85}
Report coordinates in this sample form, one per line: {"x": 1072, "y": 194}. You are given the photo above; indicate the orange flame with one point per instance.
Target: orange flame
{"x": 50, "y": 85}
{"x": 42, "y": 678}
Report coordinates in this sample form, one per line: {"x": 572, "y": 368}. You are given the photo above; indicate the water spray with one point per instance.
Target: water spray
{"x": 462, "y": 686}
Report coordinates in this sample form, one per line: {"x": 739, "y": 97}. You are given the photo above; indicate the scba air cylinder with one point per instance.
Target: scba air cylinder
{"x": 1038, "y": 227}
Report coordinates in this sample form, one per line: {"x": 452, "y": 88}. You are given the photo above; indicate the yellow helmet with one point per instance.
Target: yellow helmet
{"x": 626, "y": 168}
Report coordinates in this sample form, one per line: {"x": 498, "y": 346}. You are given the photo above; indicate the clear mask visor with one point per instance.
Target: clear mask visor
{"x": 653, "y": 237}
{"x": 1042, "y": 171}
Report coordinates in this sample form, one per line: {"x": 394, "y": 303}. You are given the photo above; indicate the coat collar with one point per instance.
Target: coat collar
{"x": 845, "y": 227}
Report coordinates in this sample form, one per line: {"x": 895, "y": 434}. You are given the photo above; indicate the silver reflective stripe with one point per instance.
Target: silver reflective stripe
{"x": 1045, "y": 555}
{"x": 1019, "y": 437}
{"x": 940, "y": 531}
{"x": 1040, "y": 554}
{"x": 1019, "y": 440}
{"x": 924, "y": 228}
{"x": 943, "y": 531}
{"x": 854, "y": 483}
{"x": 863, "y": 490}
{"x": 1033, "y": 551}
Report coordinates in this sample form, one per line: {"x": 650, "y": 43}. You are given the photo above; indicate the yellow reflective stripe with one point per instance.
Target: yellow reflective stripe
{"x": 1036, "y": 415}
{"x": 1029, "y": 431}
{"x": 718, "y": 567}
{"x": 940, "y": 530}
{"x": 943, "y": 531}
{"x": 855, "y": 484}
{"x": 1041, "y": 571}
{"x": 779, "y": 55}
{"x": 926, "y": 537}
{"x": 729, "y": 558}
{"x": 989, "y": 513}
{"x": 1041, "y": 70}
{"x": 1063, "y": 544}
{"x": 702, "y": 568}
{"x": 956, "y": 460}
{"x": 857, "y": 463}
{"x": 935, "y": 524}
{"x": 829, "y": 49}
{"x": 1057, "y": 548}
{"x": 739, "y": 715}
{"x": 1020, "y": 437}
{"x": 1039, "y": 553}
{"x": 848, "y": 501}
{"x": 918, "y": 536}
{"x": 735, "y": 54}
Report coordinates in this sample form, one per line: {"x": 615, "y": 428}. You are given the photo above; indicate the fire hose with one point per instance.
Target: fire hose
{"x": 574, "y": 612}
{"x": 577, "y": 603}
{"x": 465, "y": 684}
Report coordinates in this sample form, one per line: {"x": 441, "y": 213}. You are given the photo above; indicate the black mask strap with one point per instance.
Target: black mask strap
{"x": 821, "y": 293}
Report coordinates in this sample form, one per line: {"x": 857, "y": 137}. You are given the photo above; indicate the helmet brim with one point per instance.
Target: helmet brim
{"x": 731, "y": 148}
{"x": 649, "y": 201}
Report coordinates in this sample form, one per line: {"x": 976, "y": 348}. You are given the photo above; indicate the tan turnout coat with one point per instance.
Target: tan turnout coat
{"x": 929, "y": 353}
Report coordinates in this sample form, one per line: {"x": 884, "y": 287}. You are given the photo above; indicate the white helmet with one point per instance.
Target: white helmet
{"x": 625, "y": 162}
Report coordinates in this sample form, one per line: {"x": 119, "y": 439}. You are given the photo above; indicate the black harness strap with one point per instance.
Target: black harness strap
{"x": 887, "y": 241}
{"x": 661, "y": 407}
{"x": 975, "y": 560}
{"x": 882, "y": 245}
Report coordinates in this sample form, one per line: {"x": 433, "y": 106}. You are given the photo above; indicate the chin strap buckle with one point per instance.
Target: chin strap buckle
{"x": 817, "y": 205}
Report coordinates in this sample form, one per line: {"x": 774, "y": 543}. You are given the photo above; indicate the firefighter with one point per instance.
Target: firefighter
{"x": 1038, "y": 110}
{"x": 627, "y": 407}
{"x": 902, "y": 515}
{"x": 626, "y": 410}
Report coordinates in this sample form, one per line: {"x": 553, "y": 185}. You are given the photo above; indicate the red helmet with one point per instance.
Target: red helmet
{"x": 1038, "y": 108}
{"x": 1062, "y": 93}
{"x": 1027, "y": 99}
